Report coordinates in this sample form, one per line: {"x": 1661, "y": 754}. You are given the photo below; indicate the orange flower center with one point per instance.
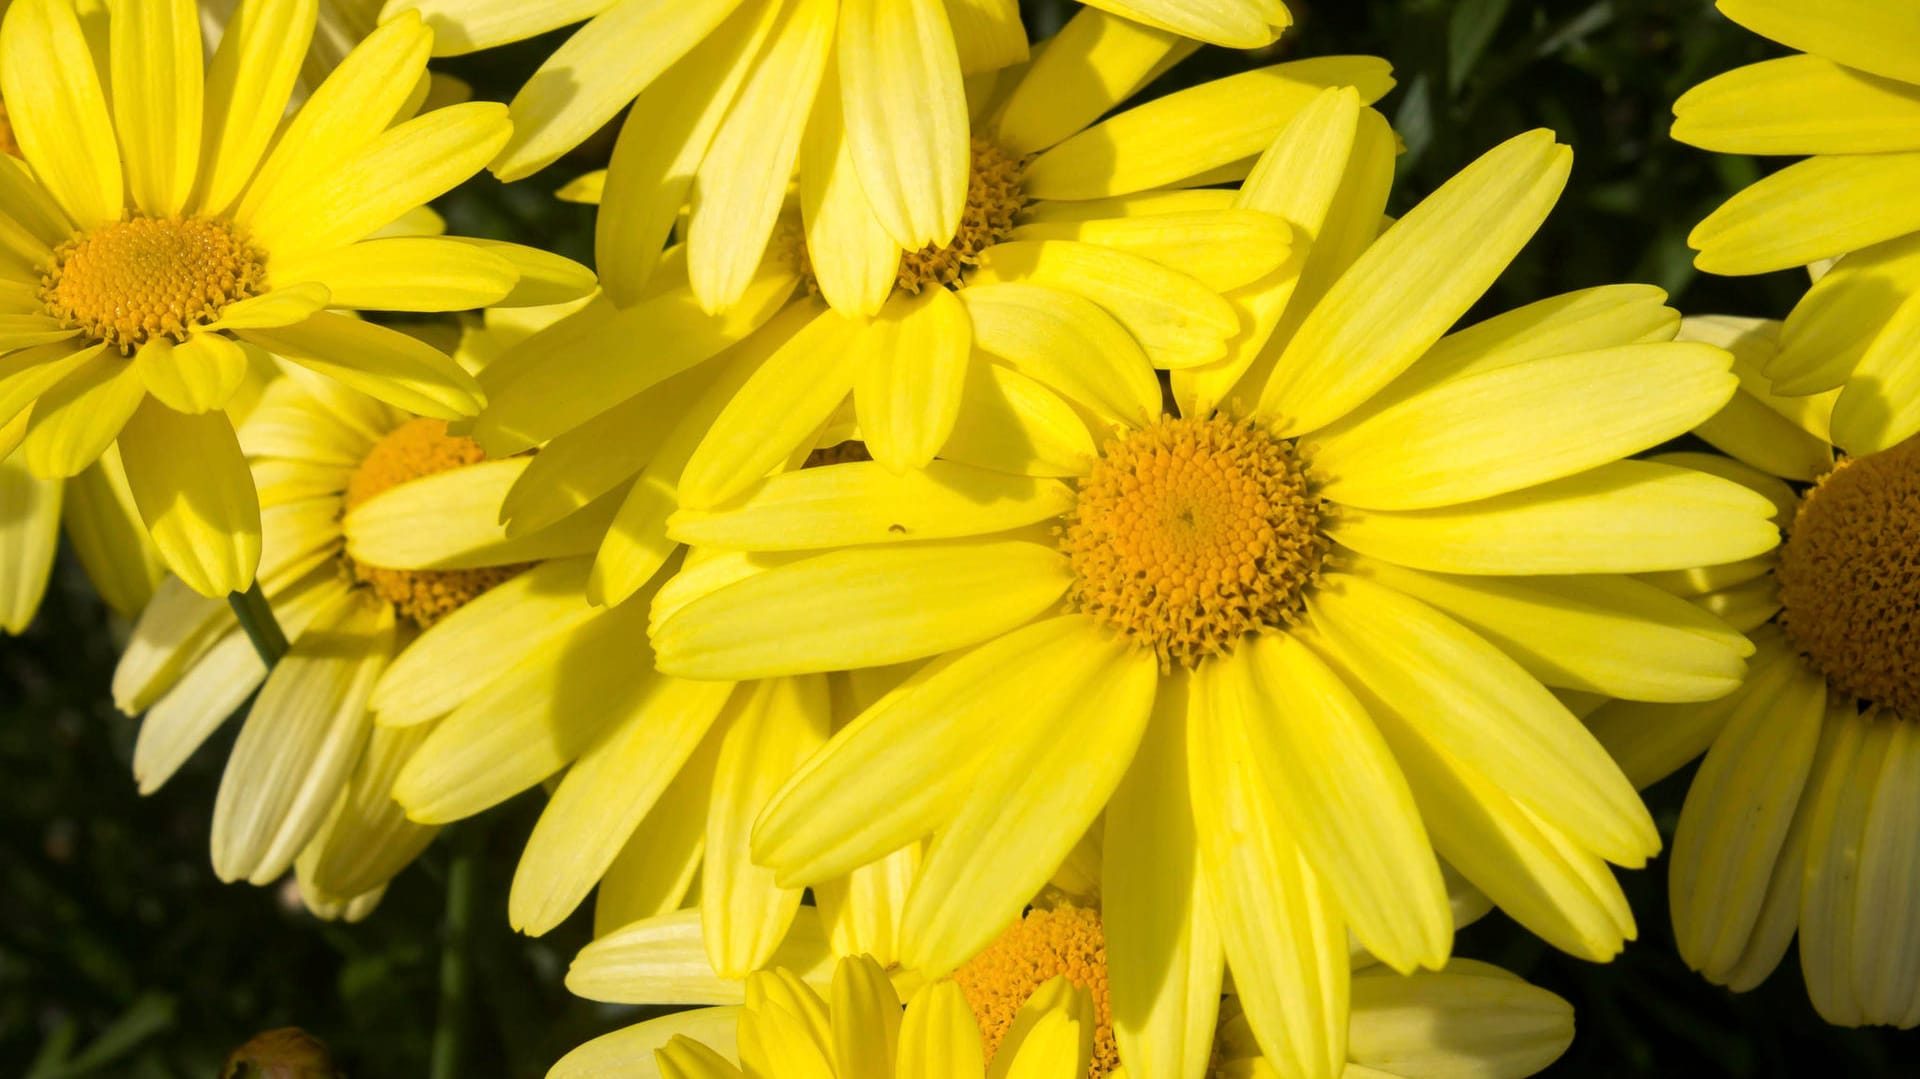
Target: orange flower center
{"x": 1038, "y": 948}
{"x": 126, "y": 282}
{"x": 419, "y": 447}
{"x": 1191, "y": 533}
{"x": 1850, "y": 578}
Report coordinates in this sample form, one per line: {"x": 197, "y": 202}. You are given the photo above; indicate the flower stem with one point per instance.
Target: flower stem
{"x": 256, "y": 617}
{"x": 450, "y": 1026}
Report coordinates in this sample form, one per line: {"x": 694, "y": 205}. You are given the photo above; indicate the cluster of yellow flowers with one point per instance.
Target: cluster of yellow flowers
{"x": 978, "y": 540}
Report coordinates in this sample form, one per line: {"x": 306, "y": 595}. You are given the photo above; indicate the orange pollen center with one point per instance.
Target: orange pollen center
{"x": 1191, "y": 533}
{"x": 127, "y": 282}
{"x": 419, "y": 447}
{"x": 1850, "y": 578}
{"x": 994, "y": 198}
{"x": 1038, "y": 948}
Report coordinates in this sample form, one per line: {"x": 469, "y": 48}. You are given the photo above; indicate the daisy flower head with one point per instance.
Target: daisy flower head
{"x": 363, "y": 589}
{"x": 1804, "y": 814}
{"x": 1225, "y": 628}
{"x": 1083, "y": 243}
{"x": 162, "y": 241}
{"x": 1849, "y": 103}
{"x": 866, "y": 99}
{"x": 1470, "y": 1018}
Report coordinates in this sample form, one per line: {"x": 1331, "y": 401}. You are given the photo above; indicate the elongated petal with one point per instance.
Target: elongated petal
{"x": 247, "y": 83}
{"x": 464, "y": 26}
{"x": 157, "y": 80}
{"x": 379, "y": 362}
{"x": 1798, "y": 105}
{"x": 1624, "y": 517}
{"x": 1095, "y": 62}
{"x": 604, "y": 795}
{"x": 630, "y": 1051}
{"x": 663, "y": 960}
{"x": 1811, "y": 210}
{"x": 742, "y": 180}
{"x": 1408, "y": 288}
{"x": 1036, "y": 795}
{"x": 416, "y": 273}
{"x": 864, "y": 607}
{"x": 1454, "y": 442}
{"x": 1281, "y": 928}
{"x": 1481, "y": 706}
{"x": 464, "y": 506}
{"x": 1886, "y": 946}
{"x": 906, "y": 115}
{"x": 1880, "y": 406}
{"x": 596, "y": 72}
{"x": 29, "y": 533}
{"x": 300, "y": 741}
{"x": 906, "y": 764}
{"x": 198, "y": 375}
{"x": 1829, "y": 900}
{"x": 1164, "y": 962}
{"x": 773, "y": 726}
{"x": 1222, "y": 249}
{"x": 58, "y": 111}
{"x": 1876, "y": 37}
{"x": 194, "y": 491}
{"x": 854, "y": 259}
{"x": 654, "y": 872}
{"x": 1011, "y": 423}
{"x": 367, "y": 840}
{"x": 74, "y": 422}
{"x": 1470, "y": 1018}
{"x": 1067, "y": 342}
{"x": 911, "y": 367}
{"x": 1233, "y": 23}
{"x": 939, "y": 1036}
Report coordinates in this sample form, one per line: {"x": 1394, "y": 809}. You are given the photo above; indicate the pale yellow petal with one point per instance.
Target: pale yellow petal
{"x": 854, "y": 259}
{"x": 1798, "y": 105}
{"x": 380, "y": 362}
{"x": 1067, "y": 342}
{"x": 157, "y": 84}
{"x": 1095, "y": 62}
{"x": 663, "y": 960}
{"x": 1236, "y": 24}
{"x": 1469, "y": 1019}
{"x": 910, "y": 367}
{"x": 29, "y": 534}
{"x": 198, "y": 375}
{"x": 58, "y": 110}
{"x": 193, "y": 489}
{"x": 1867, "y": 34}
{"x": 74, "y": 422}
{"x": 629, "y": 1051}
{"x": 464, "y": 26}
{"x": 1829, "y": 901}
{"x": 463, "y": 506}
{"x": 939, "y": 1036}
{"x": 1011, "y": 423}
{"x": 906, "y": 115}
{"x": 247, "y": 83}
{"x": 424, "y": 273}
{"x": 1811, "y": 210}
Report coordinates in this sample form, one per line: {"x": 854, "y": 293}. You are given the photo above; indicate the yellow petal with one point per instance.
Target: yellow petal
{"x": 1738, "y": 809}
{"x": 865, "y": 606}
{"x": 30, "y": 372}
{"x": 657, "y": 867}
{"x": 663, "y": 960}
{"x": 1624, "y": 517}
{"x": 1095, "y": 62}
{"x": 1886, "y": 946}
{"x": 74, "y": 422}
{"x": 273, "y": 309}
{"x": 463, "y": 506}
{"x": 300, "y": 741}
{"x": 1838, "y": 812}
{"x": 742, "y": 180}
{"x": 1164, "y": 962}
{"x": 1280, "y": 926}
{"x": 58, "y": 111}
{"x": 1780, "y": 435}
{"x": 198, "y": 375}
{"x": 1877, "y": 37}
{"x": 938, "y": 1035}
{"x": 1068, "y": 343}
{"x": 907, "y": 764}
{"x": 906, "y": 116}
{"x": 29, "y": 533}
{"x": 772, "y": 727}
{"x": 1191, "y": 131}
{"x": 379, "y": 362}
{"x": 1042, "y": 786}
{"x": 1479, "y": 705}
{"x": 629, "y": 1051}
{"x": 604, "y": 795}
{"x": 247, "y": 83}
{"x": 400, "y": 169}
{"x": 866, "y": 1018}
{"x": 1880, "y": 406}
{"x": 1222, "y": 249}
{"x": 367, "y": 840}
{"x": 1178, "y": 321}
{"x": 854, "y": 259}
{"x": 1011, "y": 423}
{"x": 1811, "y": 210}
{"x": 1237, "y": 24}
{"x": 1599, "y": 634}
{"x": 596, "y": 72}
{"x": 910, "y": 366}
{"x": 1842, "y": 315}
{"x": 424, "y": 273}
{"x": 194, "y": 491}
{"x": 1422, "y": 274}
{"x": 1454, "y": 443}
{"x": 157, "y": 79}
{"x": 464, "y": 26}
{"x": 1798, "y": 105}
{"x": 987, "y": 34}
{"x": 1469, "y": 1018}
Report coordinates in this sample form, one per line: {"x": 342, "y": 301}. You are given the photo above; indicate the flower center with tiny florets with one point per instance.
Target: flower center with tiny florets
{"x": 1038, "y": 948}
{"x": 994, "y": 197}
{"x": 126, "y": 282}
{"x": 1850, "y": 578}
{"x": 419, "y": 447}
{"x": 1191, "y": 533}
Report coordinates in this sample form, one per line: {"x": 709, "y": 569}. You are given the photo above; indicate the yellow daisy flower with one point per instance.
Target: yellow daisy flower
{"x": 157, "y": 245}
{"x": 866, "y": 100}
{"x": 1805, "y": 813}
{"x": 1470, "y": 1018}
{"x": 1229, "y": 630}
{"x": 1081, "y": 253}
{"x": 307, "y": 785}
{"x": 1850, "y": 98}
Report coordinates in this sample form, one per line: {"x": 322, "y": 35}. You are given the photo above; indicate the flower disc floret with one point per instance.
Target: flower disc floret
{"x": 1036, "y": 949}
{"x": 1850, "y": 578}
{"x": 127, "y": 282}
{"x": 1191, "y": 533}
{"x": 994, "y": 197}
{"x": 419, "y": 447}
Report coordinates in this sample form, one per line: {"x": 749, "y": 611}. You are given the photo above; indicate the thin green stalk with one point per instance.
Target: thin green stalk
{"x": 450, "y": 1026}
{"x": 263, "y": 629}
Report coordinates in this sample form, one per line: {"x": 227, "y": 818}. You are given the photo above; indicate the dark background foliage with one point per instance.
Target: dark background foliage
{"x": 121, "y": 955}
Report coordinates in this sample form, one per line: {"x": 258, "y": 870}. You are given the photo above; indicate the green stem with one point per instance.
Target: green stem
{"x": 256, "y": 617}
{"x": 450, "y": 1027}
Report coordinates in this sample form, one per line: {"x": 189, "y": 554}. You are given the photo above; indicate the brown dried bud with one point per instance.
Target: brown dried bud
{"x": 286, "y": 1053}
